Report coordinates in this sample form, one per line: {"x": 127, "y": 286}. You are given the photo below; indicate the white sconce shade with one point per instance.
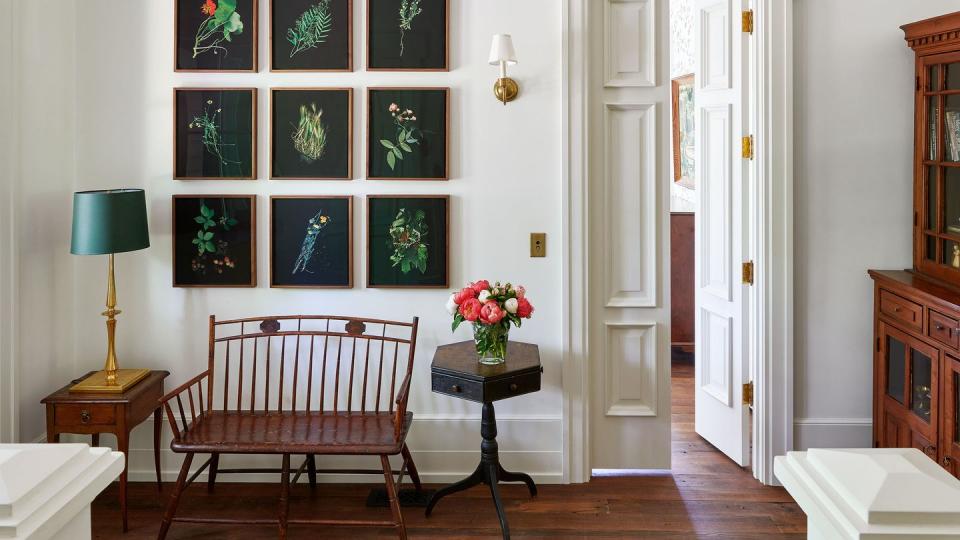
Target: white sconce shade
{"x": 502, "y": 50}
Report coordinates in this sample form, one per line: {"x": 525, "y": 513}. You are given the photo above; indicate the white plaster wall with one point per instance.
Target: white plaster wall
{"x": 853, "y": 116}
{"x": 506, "y": 172}
{"x": 8, "y": 278}
{"x": 41, "y": 169}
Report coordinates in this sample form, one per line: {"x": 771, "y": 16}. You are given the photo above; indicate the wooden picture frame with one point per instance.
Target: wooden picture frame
{"x": 344, "y": 282}
{"x": 184, "y": 225}
{"x": 189, "y": 15}
{"x": 378, "y": 277}
{"x": 308, "y": 61}
{"x": 285, "y": 154}
{"x": 184, "y": 166}
{"x": 379, "y": 128}
{"x": 679, "y": 116}
{"x": 389, "y": 29}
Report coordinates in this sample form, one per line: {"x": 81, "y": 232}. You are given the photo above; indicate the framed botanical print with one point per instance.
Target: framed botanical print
{"x": 407, "y": 135}
{"x": 215, "y": 35}
{"x": 683, "y": 131}
{"x": 408, "y": 35}
{"x": 311, "y": 241}
{"x": 214, "y": 241}
{"x": 311, "y": 35}
{"x": 215, "y": 133}
{"x": 408, "y": 241}
{"x": 311, "y": 133}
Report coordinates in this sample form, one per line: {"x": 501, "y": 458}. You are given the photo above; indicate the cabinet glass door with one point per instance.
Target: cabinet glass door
{"x": 950, "y": 425}
{"x": 921, "y": 371}
{"x": 896, "y": 372}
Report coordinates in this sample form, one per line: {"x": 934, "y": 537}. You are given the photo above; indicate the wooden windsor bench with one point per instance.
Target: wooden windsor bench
{"x": 335, "y": 391}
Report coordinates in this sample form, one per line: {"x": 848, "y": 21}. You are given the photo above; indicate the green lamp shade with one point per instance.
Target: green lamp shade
{"x": 109, "y": 221}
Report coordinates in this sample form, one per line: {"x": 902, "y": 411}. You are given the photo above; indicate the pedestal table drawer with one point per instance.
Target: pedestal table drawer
{"x": 85, "y": 415}
{"x": 944, "y": 329}
{"x": 901, "y": 309}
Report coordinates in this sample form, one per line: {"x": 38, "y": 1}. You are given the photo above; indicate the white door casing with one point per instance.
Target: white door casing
{"x": 721, "y": 308}
{"x": 628, "y": 91}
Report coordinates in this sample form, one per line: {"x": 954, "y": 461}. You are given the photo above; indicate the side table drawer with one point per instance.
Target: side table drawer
{"x": 85, "y": 415}
{"x": 457, "y": 387}
{"x": 901, "y": 309}
{"x": 944, "y": 329}
{"x": 513, "y": 386}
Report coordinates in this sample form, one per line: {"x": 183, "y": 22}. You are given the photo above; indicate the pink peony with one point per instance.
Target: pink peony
{"x": 524, "y": 308}
{"x": 481, "y": 285}
{"x": 470, "y": 309}
{"x": 491, "y": 313}
{"x": 520, "y": 291}
{"x": 465, "y": 294}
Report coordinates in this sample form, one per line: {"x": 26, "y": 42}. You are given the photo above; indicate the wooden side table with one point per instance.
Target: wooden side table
{"x": 456, "y": 372}
{"x": 95, "y": 413}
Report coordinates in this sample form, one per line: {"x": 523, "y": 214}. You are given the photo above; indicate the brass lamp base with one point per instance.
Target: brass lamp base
{"x": 506, "y": 89}
{"x": 97, "y": 382}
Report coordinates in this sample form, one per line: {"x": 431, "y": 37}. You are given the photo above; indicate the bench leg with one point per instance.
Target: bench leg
{"x": 312, "y": 470}
{"x": 411, "y": 468}
{"x": 212, "y": 473}
{"x": 284, "y": 496}
{"x": 175, "y": 497}
{"x": 392, "y": 495}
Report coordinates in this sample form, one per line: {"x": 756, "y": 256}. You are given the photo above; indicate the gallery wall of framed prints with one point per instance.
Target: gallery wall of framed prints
{"x": 314, "y": 129}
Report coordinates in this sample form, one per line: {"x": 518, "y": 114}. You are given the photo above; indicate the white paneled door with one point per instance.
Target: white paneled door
{"x": 721, "y": 348}
{"x": 629, "y": 300}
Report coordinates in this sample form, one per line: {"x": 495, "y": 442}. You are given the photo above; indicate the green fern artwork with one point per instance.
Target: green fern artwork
{"x": 312, "y": 28}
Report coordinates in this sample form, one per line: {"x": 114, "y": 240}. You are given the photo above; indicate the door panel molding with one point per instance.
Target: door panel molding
{"x": 715, "y": 207}
{"x": 630, "y": 204}
{"x": 715, "y": 34}
{"x": 716, "y": 370}
{"x": 630, "y": 369}
{"x": 630, "y": 47}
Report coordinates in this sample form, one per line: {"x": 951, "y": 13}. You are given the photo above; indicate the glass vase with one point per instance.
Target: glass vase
{"x": 491, "y": 342}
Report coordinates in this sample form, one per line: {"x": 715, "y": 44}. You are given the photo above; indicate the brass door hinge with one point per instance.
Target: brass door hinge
{"x": 748, "y": 393}
{"x": 746, "y": 21}
{"x": 746, "y": 145}
{"x": 747, "y": 273}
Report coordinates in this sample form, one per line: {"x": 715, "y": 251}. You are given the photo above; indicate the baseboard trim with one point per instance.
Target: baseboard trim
{"x": 832, "y": 433}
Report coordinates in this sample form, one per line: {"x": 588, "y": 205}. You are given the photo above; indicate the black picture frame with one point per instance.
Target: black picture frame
{"x": 383, "y": 213}
{"x": 297, "y": 151}
{"x": 422, "y": 44}
{"x": 311, "y": 241}
{"x": 230, "y": 114}
{"x": 222, "y": 41}
{"x": 425, "y": 112}
{"x": 295, "y": 26}
{"x": 228, "y": 226}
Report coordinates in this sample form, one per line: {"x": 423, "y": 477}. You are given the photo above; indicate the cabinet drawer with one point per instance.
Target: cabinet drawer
{"x": 85, "y": 415}
{"x": 901, "y": 309}
{"x": 944, "y": 329}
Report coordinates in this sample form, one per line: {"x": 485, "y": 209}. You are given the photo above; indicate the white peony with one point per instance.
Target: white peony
{"x": 511, "y": 305}
{"x": 482, "y": 297}
{"x": 451, "y": 305}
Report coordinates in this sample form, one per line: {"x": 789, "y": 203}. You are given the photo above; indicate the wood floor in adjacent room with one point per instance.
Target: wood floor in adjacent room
{"x": 706, "y": 496}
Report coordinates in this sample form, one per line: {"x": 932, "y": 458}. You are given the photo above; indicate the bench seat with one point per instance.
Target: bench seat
{"x": 329, "y": 433}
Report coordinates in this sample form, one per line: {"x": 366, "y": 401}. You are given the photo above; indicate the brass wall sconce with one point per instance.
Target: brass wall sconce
{"x": 502, "y": 53}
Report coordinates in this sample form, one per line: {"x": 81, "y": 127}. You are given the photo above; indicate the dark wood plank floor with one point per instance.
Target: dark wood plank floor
{"x": 706, "y": 496}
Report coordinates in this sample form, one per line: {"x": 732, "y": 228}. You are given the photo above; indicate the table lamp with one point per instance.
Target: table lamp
{"x": 104, "y": 223}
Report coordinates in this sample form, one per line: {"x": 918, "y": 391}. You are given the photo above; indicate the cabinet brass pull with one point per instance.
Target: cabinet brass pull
{"x": 939, "y": 327}
{"x": 931, "y": 449}
{"x": 896, "y": 309}
{"x": 513, "y": 387}
{"x": 946, "y": 461}
{"x": 456, "y": 388}
{"x": 85, "y": 417}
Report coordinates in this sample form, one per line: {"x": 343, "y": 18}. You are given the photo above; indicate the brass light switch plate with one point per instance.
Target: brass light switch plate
{"x": 538, "y": 244}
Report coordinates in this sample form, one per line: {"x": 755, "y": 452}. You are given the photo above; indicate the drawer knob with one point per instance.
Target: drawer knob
{"x": 85, "y": 416}
{"x": 456, "y": 388}
{"x": 930, "y": 450}
{"x": 513, "y": 387}
{"x": 939, "y": 327}
{"x": 896, "y": 309}
{"x": 946, "y": 461}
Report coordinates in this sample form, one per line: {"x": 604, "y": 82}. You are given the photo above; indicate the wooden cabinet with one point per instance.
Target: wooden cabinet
{"x": 916, "y": 368}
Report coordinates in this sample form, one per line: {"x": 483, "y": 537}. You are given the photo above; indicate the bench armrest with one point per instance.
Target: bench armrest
{"x": 187, "y": 390}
